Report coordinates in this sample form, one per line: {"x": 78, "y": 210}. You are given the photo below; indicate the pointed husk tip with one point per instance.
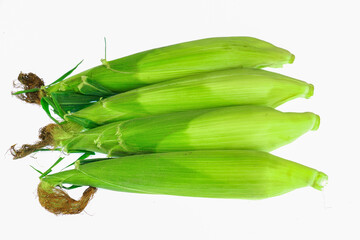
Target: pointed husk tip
{"x": 292, "y": 58}
{"x": 316, "y": 124}
{"x": 310, "y": 91}
{"x": 320, "y": 181}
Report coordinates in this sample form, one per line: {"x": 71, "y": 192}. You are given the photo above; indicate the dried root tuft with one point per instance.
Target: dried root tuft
{"x": 46, "y": 139}
{"x": 30, "y": 81}
{"x": 57, "y": 201}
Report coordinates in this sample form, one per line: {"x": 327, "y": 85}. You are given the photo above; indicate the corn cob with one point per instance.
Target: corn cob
{"x": 239, "y": 127}
{"x": 207, "y": 90}
{"x": 211, "y": 174}
{"x": 158, "y": 65}
{"x": 175, "y": 61}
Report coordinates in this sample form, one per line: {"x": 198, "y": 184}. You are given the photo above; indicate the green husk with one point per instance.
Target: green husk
{"x": 212, "y": 174}
{"x": 207, "y": 90}
{"x": 239, "y": 127}
{"x": 174, "y": 61}
{"x": 153, "y": 66}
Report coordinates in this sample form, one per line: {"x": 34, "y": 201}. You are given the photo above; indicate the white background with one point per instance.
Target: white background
{"x": 49, "y": 38}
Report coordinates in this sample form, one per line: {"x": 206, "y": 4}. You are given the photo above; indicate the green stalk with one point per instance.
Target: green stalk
{"x": 239, "y": 127}
{"x": 207, "y": 90}
{"x": 211, "y": 174}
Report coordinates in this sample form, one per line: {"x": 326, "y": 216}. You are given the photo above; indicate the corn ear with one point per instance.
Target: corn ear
{"x": 239, "y": 127}
{"x": 173, "y": 61}
{"x": 212, "y": 174}
{"x": 207, "y": 90}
